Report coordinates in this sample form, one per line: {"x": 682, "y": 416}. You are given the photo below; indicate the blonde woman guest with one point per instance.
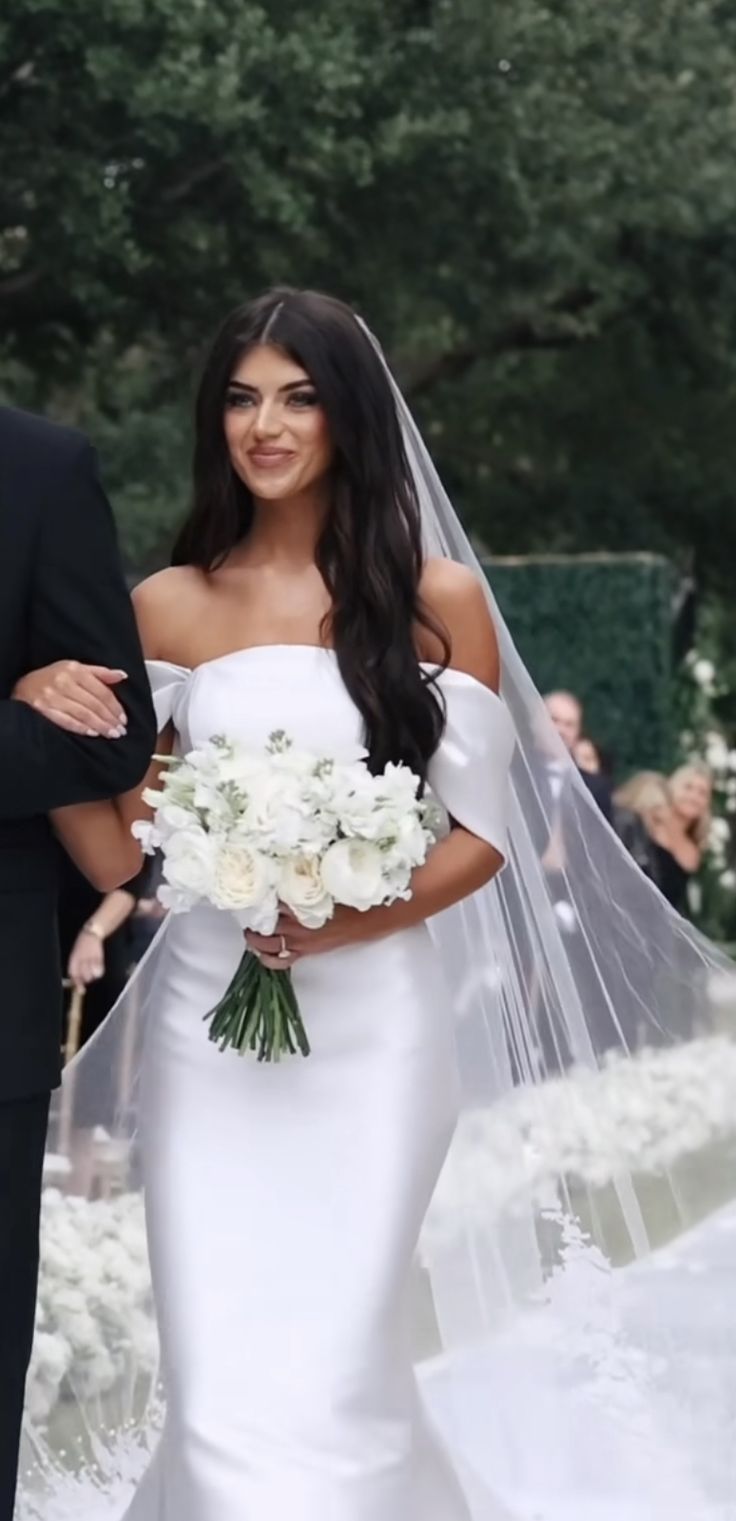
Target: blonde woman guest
{"x": 640, "y": 807}
{"x": 676, "y": 814}
{"x": 691, "y": 787}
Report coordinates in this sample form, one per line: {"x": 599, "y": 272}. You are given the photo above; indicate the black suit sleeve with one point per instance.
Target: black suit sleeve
{"x": 79, "y": 609}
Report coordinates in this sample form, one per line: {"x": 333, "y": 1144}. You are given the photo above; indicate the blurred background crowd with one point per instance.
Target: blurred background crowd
{"x": 535, "y": 208}
{"x": 665, "y": 822}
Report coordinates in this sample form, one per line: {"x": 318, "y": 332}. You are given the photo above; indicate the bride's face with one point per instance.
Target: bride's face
{"x": 276, "y": 430}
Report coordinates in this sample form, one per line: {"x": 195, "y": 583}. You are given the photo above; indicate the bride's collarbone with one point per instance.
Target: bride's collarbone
{"x": 185, "y": 620}
{"x": 191, "y": 653}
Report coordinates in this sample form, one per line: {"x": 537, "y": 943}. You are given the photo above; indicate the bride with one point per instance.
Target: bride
{"x": 283, "y": 1206}
{"x": 556, "y": 1350}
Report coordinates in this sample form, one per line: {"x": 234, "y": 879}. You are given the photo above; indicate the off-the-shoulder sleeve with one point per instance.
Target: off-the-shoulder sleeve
{"x": 167, "y": 685}
{"x": 469, "y": 773}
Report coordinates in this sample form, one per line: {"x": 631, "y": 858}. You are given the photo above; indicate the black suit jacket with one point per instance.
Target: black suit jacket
{"x": 62, "y": 596}
{"x": 601, "y": 791}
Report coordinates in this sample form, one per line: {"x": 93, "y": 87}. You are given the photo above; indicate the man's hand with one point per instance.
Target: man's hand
{"x": 75, "y": 697}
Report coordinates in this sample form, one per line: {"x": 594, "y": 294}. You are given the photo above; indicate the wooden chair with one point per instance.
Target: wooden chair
{"x": 74, "y": 1022}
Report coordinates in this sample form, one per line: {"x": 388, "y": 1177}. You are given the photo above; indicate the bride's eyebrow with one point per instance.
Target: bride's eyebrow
{"x": 293, "y": 385}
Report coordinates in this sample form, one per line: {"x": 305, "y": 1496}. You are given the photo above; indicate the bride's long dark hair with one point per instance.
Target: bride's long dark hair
{"x": 370, "y": 553}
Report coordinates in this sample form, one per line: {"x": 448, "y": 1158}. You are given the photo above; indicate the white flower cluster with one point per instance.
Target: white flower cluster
{"x": 634, "y": 1115}
{"x": 722, "y": 762}
{"x": 94, "y": 1322}
{"x": 704, "y": 674}
{"x": 249, "y": 831}
{"x": 708, "y": 742}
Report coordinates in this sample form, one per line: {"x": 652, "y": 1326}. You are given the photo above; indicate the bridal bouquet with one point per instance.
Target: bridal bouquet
{"x": 253, "y": 832}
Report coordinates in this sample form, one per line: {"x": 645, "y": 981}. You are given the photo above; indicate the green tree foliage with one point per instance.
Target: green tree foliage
{"x": 534, "y": 205}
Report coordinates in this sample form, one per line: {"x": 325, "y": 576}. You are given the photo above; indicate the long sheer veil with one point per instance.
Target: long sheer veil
{"x": 574, "y": 1286}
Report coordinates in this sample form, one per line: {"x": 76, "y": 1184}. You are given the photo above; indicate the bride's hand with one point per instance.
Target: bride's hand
{"x": 76, "y": 697}
{"x": 348, "y": 926}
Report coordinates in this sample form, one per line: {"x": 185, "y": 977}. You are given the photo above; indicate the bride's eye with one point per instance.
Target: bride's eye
{"x": 235, "y": 398}
{"x": 304, "y": 399}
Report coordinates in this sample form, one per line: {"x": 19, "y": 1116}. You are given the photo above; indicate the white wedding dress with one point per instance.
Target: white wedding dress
{"x": 284, "y": 1205}
{"x": 284, "y": 1202}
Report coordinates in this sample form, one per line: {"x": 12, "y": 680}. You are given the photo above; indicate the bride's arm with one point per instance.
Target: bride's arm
{"x": 463, "y": 862}
{"x": 98, "y": 836}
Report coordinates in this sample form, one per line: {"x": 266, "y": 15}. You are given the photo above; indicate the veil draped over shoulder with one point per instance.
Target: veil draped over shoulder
{"x": 575, "y": 1288}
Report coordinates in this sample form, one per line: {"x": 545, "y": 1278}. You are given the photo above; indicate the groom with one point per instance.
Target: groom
{"x": 62, "y": 597}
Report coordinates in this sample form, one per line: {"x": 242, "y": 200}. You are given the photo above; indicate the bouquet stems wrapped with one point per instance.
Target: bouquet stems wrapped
{"x": 259, "y": 1013}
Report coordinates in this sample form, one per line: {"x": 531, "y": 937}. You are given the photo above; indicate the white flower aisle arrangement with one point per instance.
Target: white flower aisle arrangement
{"x": 256, "y": 832}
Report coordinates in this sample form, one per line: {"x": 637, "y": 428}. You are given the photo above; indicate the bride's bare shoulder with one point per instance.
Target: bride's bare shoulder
{"x": 456, "y": 597}
{"x": 165, "y": 606}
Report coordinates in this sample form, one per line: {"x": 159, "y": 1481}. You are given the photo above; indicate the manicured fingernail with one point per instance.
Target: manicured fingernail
{"x": 115, "y": 733}
{"x": 91, "y": 733}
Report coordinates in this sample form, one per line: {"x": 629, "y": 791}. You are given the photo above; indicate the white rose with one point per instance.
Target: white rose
{"x": 241, "y": 878}
{"x": 188, "y": 860}
{"x": 352, "y": 872}
{"x": 303, "y": 891}
{"x": 284, "y": 814}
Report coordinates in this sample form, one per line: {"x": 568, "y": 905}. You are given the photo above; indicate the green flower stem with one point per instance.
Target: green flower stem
{"x": 259, "y": 1013}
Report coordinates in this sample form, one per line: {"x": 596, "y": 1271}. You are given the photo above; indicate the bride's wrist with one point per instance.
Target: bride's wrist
{"x": 389, "y": 919}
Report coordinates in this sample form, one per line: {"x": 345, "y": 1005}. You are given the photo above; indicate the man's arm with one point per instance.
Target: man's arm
{"x": 80, "y": 609}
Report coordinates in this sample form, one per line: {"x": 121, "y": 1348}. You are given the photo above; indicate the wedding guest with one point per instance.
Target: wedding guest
{"x": 683, "y": 843}
{"x": 676, "y": 814}
{"x": 639, "y": 806}
{"x": 95, "y": 939}
{"x": 566, "y": 712}
{"x": 592, "y": 759}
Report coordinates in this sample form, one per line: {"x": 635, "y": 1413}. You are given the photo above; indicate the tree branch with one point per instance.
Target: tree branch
{"x": 190, "y": 181}
{"x": 550, "y": 331}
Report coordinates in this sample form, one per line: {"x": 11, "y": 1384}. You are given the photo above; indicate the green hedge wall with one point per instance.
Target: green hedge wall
{"x": 599, "y": 626}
